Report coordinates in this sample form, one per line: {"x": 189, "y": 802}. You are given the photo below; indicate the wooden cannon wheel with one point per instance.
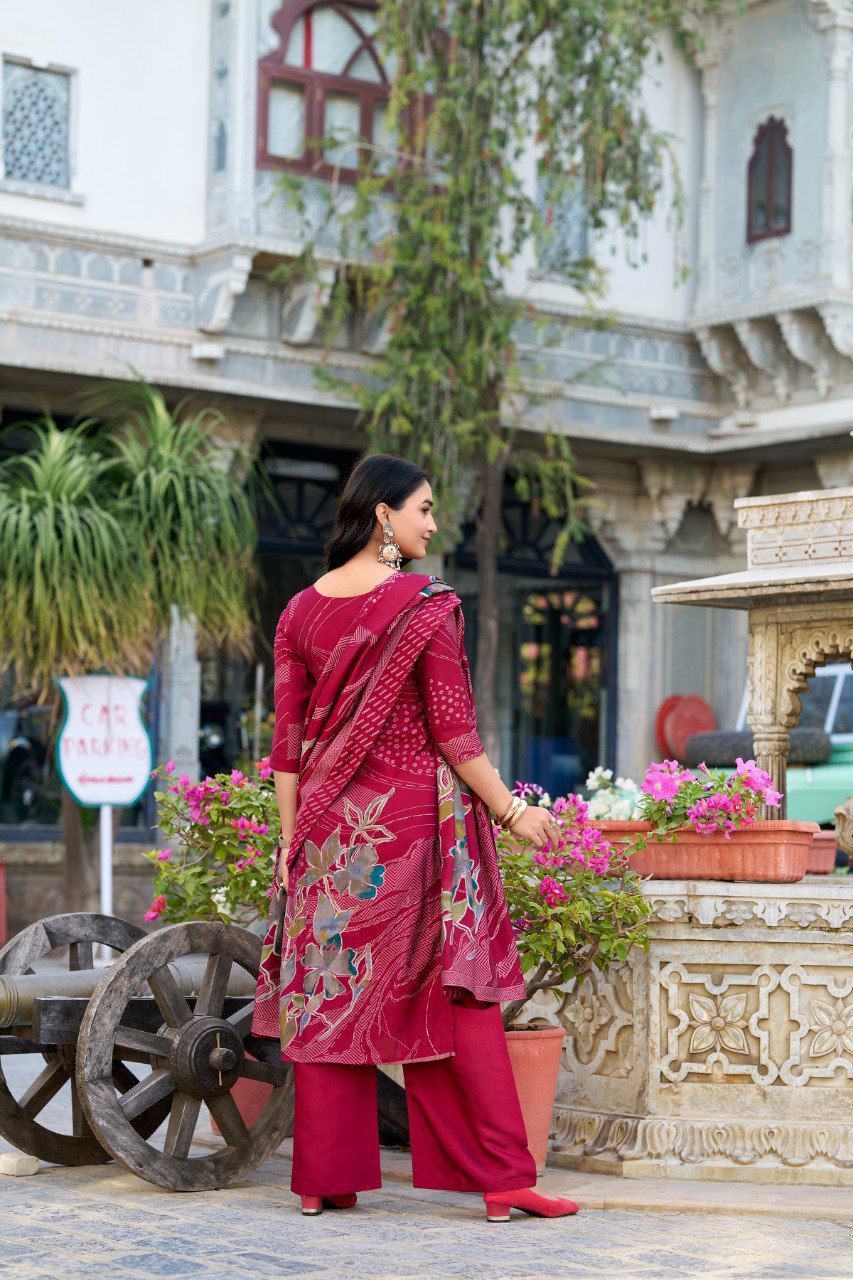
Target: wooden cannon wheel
{"x": 197, "y": 1056}
{"x": 19, "y": 1122}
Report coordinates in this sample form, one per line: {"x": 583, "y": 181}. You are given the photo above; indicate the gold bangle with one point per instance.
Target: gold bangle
{"x": 508, "y": 811}
{"x": 515, "y": 817}
{"x": 513, "y": 813}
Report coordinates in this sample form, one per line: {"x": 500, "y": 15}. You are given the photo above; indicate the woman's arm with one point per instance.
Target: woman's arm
{"x": 285, "y": 794}
{"x": 535, "y": 824}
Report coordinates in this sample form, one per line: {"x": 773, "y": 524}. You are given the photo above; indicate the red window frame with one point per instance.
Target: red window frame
{"x": 316, "y": 85}
{"x": 765, "y": 141}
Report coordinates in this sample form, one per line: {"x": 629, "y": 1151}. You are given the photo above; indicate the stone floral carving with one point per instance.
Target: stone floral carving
{"x": 834, "y": 1026}
{"x": 718, "y": 1023}
{"x": 588, "y": 1013}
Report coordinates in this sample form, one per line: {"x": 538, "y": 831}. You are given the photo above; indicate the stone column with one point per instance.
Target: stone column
{"x": 766, "y": 717}
{"x": 180, "y": 698}
{"x": 836, "y": 182}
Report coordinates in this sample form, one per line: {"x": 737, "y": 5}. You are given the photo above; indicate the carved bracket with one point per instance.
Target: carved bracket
{"x": 725, "y": 356}
{"x": 303, "y": 306}
{"x": 763, "y": 345}
{"x": 727, "y": 483}
{"x": 672, "y": 487}
{"x": 219, "y": 284}
{"x": 807, "y": 342}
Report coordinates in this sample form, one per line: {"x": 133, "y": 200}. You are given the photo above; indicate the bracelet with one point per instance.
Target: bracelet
{"x": 513, "y": 813}
{"x": 282, "y": 843}
{"x": 513, "y": 820}
{"x": 502, "y": 820}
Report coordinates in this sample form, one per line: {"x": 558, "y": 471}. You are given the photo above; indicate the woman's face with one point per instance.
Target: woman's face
{"x": 413, "y": 524}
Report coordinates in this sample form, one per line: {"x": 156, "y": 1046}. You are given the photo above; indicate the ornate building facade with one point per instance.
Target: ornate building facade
{"x": 140, "y": 218}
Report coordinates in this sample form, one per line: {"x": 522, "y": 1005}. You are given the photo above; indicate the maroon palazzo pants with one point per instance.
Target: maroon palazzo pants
{"x": 465, "y": 1120}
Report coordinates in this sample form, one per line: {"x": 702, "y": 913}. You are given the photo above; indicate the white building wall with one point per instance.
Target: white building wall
{"x": 139, "y": 110}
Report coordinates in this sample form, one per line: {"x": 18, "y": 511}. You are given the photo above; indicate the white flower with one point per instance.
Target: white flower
{"x": 545, "y": 800}
{"x": 626, "y": 784}
{"x": 607, "y": 774}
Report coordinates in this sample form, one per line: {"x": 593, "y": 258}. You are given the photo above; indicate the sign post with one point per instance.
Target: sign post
{"x": 104, "y": 753}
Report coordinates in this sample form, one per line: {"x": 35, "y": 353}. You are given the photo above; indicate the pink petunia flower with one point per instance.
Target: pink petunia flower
{"x": 660, "y": 783}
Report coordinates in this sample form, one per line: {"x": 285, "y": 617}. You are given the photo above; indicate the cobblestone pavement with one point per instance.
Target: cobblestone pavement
{"x": 73, "y": 1224}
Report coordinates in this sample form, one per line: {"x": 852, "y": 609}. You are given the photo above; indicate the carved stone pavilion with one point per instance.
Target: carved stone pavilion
{"x": 798, "y": 590}
{"x": 726, "y": 1050}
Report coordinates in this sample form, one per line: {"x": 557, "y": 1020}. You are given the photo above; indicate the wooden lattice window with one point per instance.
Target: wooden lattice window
{"x": 769, "y": 183}
{"x": 324, "y": 82}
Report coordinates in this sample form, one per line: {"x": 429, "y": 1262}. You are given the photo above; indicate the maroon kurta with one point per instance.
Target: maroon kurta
{"x": 386, "y": 903}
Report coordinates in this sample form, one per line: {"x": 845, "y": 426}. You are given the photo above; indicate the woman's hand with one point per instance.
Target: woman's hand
{"x": 537, "y": 824}
{"x": 282, "y": 874}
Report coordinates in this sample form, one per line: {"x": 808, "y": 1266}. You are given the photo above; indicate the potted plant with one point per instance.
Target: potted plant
{"x": 575, "y": 905}
{"x": 223, "y": 834}
{"x": 703, "y": 826}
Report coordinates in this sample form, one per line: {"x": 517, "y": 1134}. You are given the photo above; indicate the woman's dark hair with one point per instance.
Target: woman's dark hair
{"x": 379, "y": 477}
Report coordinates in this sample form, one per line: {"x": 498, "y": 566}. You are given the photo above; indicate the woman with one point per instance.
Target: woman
{"x": 395, "y": 945}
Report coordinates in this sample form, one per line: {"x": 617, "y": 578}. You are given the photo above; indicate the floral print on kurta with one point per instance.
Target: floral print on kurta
{"x": 394, "y": 888}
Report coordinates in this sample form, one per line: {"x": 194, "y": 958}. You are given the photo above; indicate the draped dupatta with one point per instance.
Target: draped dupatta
{"x": 348, "y": 706}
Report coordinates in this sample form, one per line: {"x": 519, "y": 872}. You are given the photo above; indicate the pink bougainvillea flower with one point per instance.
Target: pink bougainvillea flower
{"x": 264, "y": 768}
{"x": 184, "y": 780}
{"x": 237, "y": 777}
{"x": 170, "y": 766}
{"x": 158, "y": 906}
{"x": 164, "y": 855}
{"x": 224, "y": 797}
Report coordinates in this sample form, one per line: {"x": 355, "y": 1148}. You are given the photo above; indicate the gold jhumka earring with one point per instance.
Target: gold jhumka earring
{"x": 389, "y": 552}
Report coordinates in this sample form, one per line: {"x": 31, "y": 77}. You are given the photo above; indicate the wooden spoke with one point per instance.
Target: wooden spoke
{"x": 211, "y": 994}
{"x": 231, "y": 1123}
{"x": 79, "y": 1123}
{"x": 241, "y": 1021}
{"x": 157, "y": 1085}
{"x": 142, "y": 1041}
{"x": 171, "y": 1003}
{"x": 81, "y": 956}
{"x": 181, "y": 1128}
{"x": 45, "y": 1086}
{"x": 123, "y": 1078}
{"x": 263, "y": 1071}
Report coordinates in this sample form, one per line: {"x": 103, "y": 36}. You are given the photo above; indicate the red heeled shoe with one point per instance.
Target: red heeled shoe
{"x": 312, "y": 1205}
{"x": 499, "y": 1203}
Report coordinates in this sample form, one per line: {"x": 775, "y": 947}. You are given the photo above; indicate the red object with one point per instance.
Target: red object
{"x": 664, "y": 709}
{"x": 4, "y": 923}
{"x": 251, "y": 1096}
{"x": 498, "y": 1204}
{"x": 535, "y": 1058}
{"x": 467, "y": 1130}
{"x": 821, "y": 859}
{"x": 691, "y": 714}
{"x": 312, "y": 1205}
{"x": 772, "y": 852}
{"x": 373, "y": 706}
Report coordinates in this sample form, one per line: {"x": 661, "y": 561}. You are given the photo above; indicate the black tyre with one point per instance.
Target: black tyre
{"x": 808, "y": 746}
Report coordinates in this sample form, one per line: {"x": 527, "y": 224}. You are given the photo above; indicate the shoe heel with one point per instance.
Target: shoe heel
{"x": 312, "y": 1205}
{"x": 496, "y": 1212}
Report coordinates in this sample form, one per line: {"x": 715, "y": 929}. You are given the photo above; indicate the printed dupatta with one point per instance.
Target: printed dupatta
{"x": 349, "y": 704}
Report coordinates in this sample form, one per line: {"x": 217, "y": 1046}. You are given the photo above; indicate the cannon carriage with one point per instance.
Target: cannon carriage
{"x": 160, "y": 1032}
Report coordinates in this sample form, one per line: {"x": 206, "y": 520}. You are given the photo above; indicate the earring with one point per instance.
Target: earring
{"x": 389, "y": 552}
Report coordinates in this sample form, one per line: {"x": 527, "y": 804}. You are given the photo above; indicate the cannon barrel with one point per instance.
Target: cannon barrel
{"x": 18, "y": 993}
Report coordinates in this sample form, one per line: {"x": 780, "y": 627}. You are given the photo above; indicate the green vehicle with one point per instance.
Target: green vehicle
{"x": 814, "y": 790}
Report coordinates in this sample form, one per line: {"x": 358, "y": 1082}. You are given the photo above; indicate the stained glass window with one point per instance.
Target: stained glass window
{"x": 35, "y": 125}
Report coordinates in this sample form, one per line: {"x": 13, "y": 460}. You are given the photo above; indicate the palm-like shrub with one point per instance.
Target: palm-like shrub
{"x": 75, "y": 590}
{"x": 103, "y": 528}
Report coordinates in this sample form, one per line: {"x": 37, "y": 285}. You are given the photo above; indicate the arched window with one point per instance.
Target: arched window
{"x": 769, "y": 183}
{"x": 325, "y": 81}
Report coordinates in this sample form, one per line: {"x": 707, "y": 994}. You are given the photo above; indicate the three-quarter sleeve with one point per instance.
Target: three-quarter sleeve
{"x": 444, "y": 681}
{"x": 292, "y": 687}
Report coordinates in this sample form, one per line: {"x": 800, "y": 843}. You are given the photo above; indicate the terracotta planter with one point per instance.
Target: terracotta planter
{"x": 535, "y": 1059}
{"x": 772, "y": 852}
{"x": 821, "y": 859}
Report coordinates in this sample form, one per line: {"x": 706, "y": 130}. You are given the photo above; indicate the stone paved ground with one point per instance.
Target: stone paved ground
{"x": 73, "y": 1224}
